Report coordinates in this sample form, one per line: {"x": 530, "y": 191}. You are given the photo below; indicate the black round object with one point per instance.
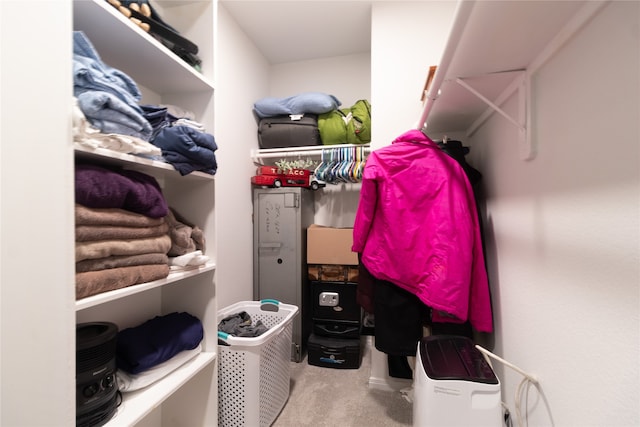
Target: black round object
{"x": 96, "y": 385}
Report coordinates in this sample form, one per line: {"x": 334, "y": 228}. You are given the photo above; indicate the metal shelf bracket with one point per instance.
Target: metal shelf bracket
{"x": 522, "y": 85}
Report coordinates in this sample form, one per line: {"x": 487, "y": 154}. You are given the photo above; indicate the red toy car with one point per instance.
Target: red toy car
{"x": 271, "y": 176}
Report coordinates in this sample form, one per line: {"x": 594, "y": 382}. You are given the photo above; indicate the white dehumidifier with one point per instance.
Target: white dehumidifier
{"x": 454, "y": 385}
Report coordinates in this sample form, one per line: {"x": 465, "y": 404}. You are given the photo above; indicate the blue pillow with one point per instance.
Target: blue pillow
{"x": 304, "y": 103}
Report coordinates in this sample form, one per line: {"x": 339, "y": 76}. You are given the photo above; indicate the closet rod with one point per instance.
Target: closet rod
{"x": 303, "y": 151}
{"x": 461, "y": 16}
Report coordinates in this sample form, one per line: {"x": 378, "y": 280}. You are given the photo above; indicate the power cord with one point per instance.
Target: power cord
{"x": 523, "y": 387}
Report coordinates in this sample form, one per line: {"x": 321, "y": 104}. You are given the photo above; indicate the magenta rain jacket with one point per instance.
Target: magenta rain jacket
{"x": 417, "y": 227}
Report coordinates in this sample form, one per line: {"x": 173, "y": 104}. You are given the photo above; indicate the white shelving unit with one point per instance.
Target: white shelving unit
{"x": 493, "y": 50}
{"x": 187, "y": 396}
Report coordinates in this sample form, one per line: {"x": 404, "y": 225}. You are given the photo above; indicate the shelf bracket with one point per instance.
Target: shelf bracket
{"x": 522, "y": 85}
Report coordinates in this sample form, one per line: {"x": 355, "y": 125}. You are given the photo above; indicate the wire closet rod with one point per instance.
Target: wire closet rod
{"x": 315, "y": 150}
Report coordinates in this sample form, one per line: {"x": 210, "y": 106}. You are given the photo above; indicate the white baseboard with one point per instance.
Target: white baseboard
{"x": 379, "y": 378}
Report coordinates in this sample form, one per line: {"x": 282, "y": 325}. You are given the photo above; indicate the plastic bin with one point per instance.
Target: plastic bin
{"x": 254, "y": 373}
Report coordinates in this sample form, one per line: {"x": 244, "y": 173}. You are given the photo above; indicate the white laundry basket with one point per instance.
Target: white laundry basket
{"x": 254, "y": 373}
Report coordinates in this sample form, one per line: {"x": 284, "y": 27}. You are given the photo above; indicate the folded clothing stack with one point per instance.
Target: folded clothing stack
{"x": 153, "y": 349}
{"x": 122, "y": 236}
{"x": 292, "y": 121}
{"x": 107, "y": 96}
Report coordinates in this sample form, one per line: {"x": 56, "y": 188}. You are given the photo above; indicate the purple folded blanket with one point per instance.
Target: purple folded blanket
{"x": 98, "y": 187}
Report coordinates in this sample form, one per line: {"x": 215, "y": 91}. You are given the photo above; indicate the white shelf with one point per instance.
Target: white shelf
{"x": 104, "y": 297}
{"x": 142, "y": 164}
{"x": 497, "y": 41}
{"x": 124, "y": 46}
{"x": 138, "y": 404}
{"x": 163, "y": 78}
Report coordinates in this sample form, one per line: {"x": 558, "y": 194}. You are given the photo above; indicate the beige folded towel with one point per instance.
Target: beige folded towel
{"x": 86, "y": 233}
{"x": 106, "y": 248}
{"x": 113, "y": 216}
{"x": 95, "y": 282}
{"x": 121, "y": 261}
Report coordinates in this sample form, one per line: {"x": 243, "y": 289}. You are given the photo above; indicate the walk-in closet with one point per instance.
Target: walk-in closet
{"x": 544, "y": 95}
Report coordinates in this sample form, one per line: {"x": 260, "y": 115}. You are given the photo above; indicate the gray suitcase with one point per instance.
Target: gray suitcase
{"x": 288, "y": 131}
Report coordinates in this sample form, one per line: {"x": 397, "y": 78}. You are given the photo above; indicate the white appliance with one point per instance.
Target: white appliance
{"x": 454, "y": 385}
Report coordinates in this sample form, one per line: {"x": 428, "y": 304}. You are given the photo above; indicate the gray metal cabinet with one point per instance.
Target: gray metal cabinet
{"x": 281, "y": 217}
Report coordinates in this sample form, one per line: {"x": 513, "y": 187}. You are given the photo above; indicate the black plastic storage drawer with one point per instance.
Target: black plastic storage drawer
{"x": 336, "y": 329}
{"x": 334, "y": 353}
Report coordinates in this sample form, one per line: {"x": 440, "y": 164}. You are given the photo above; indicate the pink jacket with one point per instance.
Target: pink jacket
{"x": 417, "y": 227}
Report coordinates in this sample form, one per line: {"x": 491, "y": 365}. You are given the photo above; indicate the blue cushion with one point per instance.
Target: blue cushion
{"x": 304, "y": 103}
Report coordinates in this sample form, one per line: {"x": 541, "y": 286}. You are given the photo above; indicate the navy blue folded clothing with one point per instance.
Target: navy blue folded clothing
{"x": 185, "y": 166}
{"x": 187, "y": 141}
{"x": 159, "y": 118}
{"x": 157, "y": 340}
{"x": 184, "y": 146}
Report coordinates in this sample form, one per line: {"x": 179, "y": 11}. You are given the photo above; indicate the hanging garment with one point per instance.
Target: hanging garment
{"x": 417, "y": 227}
{"x": 458, "y": 151}
{"x": 399, "y": 316}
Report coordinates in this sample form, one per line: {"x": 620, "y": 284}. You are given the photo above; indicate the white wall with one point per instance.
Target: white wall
{"x": 563, "y": 244}
{"x": 242, "y": 77}
{"x": 346, "y": 77}
{"x": 564, "y": 229}
{"x": 37, "y": 270}
{"x": 407, "y": 38}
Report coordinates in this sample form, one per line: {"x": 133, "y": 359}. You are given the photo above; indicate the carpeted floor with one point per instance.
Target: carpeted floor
{"x": 341, "y": 397}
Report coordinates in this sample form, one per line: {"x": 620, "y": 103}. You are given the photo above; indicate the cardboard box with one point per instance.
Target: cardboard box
{"x": 328, "y": 245}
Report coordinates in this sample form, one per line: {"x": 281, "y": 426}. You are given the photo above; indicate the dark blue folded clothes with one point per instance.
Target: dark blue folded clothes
{"x": 156, "y": 341}
{"x": 185, "y": 165}
{"x": 99, "y": 187}
{"x": 193, "y": 147}
{"x": 159, "y": 118}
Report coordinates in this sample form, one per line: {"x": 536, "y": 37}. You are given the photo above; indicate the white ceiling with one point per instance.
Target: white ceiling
{"x": 296, "y": 30}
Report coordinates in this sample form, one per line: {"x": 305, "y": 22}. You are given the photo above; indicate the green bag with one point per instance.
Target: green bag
{"x": 347, "y": 125}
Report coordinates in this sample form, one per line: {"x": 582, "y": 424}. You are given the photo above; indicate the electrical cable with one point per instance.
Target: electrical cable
{"x": 524, "y": 385}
